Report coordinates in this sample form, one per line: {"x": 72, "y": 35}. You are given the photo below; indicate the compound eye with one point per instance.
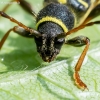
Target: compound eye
{"x": 60, "y": 40}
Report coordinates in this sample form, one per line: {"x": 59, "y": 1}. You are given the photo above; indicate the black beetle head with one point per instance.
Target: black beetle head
{"x": 48, "y": 46}
{"x": 51, "y": 40}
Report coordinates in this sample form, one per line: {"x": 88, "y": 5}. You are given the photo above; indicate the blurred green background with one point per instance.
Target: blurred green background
{"x": 24, "y": 76}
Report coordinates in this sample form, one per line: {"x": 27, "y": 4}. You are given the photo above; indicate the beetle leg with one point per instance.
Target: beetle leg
{"x": 82, "y": 26}
{"x": 5, "y": 37}
{"x": 32, "y": 31}
{"x": 7, "y": 5}
{"x": 19, "y": 30}
{"x": 27, "y": 7}
{"x": 24, "y": 4}
{"x": 79, "y": 41}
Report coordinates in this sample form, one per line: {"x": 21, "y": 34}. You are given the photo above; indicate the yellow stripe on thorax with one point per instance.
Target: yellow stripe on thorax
{"x": 62, "y": 1}
{"x": 83, "y": 3}
{"x": 53, "y": 19}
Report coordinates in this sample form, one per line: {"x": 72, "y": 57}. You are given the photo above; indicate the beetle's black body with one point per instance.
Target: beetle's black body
{"x": 51, "y": 47}
{"x": 54, "y": 22}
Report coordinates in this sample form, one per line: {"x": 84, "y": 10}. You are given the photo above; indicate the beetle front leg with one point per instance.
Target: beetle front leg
{"x": 32, "y": 31}
{"x": 79, "y": 41}
{"x": 19, "y": 30}
{"x": 24, "y": 4}
{"x": 27, "y": 7}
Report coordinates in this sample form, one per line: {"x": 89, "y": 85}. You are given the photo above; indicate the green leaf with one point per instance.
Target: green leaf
{"x": 24, "y": 76}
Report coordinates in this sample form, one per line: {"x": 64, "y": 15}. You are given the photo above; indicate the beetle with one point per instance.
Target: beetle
{"x": 57, "y": 19}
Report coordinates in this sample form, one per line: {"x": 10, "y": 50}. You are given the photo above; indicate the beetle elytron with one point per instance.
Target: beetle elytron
{"x": 54, "y": 22}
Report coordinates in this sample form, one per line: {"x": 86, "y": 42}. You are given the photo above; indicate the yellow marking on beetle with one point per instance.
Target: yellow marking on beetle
{"x": 84, "y": 3}
{"x": 53, "y": 19}
{"x": 62, "y": 1}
